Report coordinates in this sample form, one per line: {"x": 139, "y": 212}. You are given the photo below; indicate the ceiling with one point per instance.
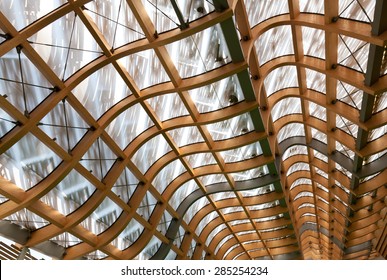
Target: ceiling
{"x": 194, "y": 129}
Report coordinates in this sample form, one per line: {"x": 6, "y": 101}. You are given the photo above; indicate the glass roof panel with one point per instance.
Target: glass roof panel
{"x": 195, "y": 208}
{"x": 264, "y": 10}
{"x": 168, "y": 174}
{"x": 106, "y": 213}
{"x": 147, "y": 205}
{"x": 186, "y": 135}
{"x": 303, "y": 194}
{"x": 312, "y": 6}
{"x": 317, "y": 111}
{"x": 290, "y": 130}
{"x": 25, "y": 166}
{"x": 128, "y": 125}
{"x": 349, "y": 94}
{"x": 66, "y": 45}
{"x": 257, "y": 191}
{"x": 315, "y": 80}
{"x": 168, "y": 106}
{"x": 221, "y": 196}
{"x": 377, "y": 133}
{"x": 295, "y": 150}
{"x": 318, "y": 135}
{"x": 380, "y": 103}
{"x": 21, "y": 82}
{"x": 250, "y": 174}
{"x": 301, "y": 181}
{"x": 98, "y": 159}
{"x": 129, "y": 235}
{"x": 362, "y": 10}
{"x": 346, "y": 125}
{"x": 320, "y": 156}
{"x": 262, "y": 206}
{"x": 125, "y": 185}
{"x": 321, "y": 172}
{"x": 213, "y": 179}
{"x": 224, "y": 240}
{"x": 117, "y": 16}
{"x": 343, "y": 170}
{"x": 218, "y": 95}
{"x": 7, "y": 123}
{"x": 230, "y": 128}
{"x": 150, "y": 249}
{"x": 162, "y": 14}
{"x": 286, "y": 106}
{"x": 101, "y": 90}
{"x": 297, "y": 167}
{"x": 214, "y": 232}
{"x": 27, "y": 219}
{"x": 152, "y": 151}
{"x": 353, "y": 53}
{"x": 164, "y": 222}
{"x": 195, "y": 9}
{"x": 142, "y": 66}
{"x": 374, "y": 157}
{"x": 182, "y": 192}
{"x": 313, "y": 42}
{"x": 275, "y": 42}
{"x": 280, "y": 78}
{"x": 239, "y": 154}
{"x": 72, "y": 192}
{"x": 66, "y": 240}
{"x": 205, "y": 221}
{"x": 201, "y": 159}
{"x": 199, "y": 53}
{"x": 345, "y": 150}
{"x": 64, "y": 125}
{"x": 23, "y": 13}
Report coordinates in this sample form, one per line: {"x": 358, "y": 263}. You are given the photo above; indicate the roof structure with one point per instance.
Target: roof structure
{"x": 194, "y": 129}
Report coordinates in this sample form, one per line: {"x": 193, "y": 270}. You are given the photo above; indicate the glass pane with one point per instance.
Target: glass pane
{"x": 218, "y": 95}
{"x": 186, "y": 135}
{"x": 181, "y": 193}
{"x": 312, "y": 6}
{"x": 275, "y": 42}
{"x": 66, "y": 45}
{"x": 141, "y": 66}
{"x": 117, "y": 16}
{"x": 21, "y": 83}
{"x": 201, "y": 159}
{"x": 290, "y": 130}
{"x": 230, "y": 128}
{"x": 73, "y": 191}
{"x": 262, "y": 10}
{"x": 168, "y": 106}
{"x": 295, "y": 150}
{"x": 315, "y": 80}
{"x": 101, "y": 90}
{"x": 129, "y": 235}
{"x": 286, "y": 106}
{"x": 242, "y": 153}
{"x": 313, "y": 42}
{"x": 280, "y": 78}
{"x": 362, "y": 10}
{"x": 168, "y": 174}
{"x": 128, "y": 125}
{"x": 199, "y": 53}
{"x": 317, "y": 111}
{"x": 151, "y": 151}
{"x": 28, "y": 162}
{"x": 23, "y": 13}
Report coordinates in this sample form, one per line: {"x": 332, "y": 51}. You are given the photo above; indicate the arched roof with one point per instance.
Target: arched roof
{"x": 194, "y": 129}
